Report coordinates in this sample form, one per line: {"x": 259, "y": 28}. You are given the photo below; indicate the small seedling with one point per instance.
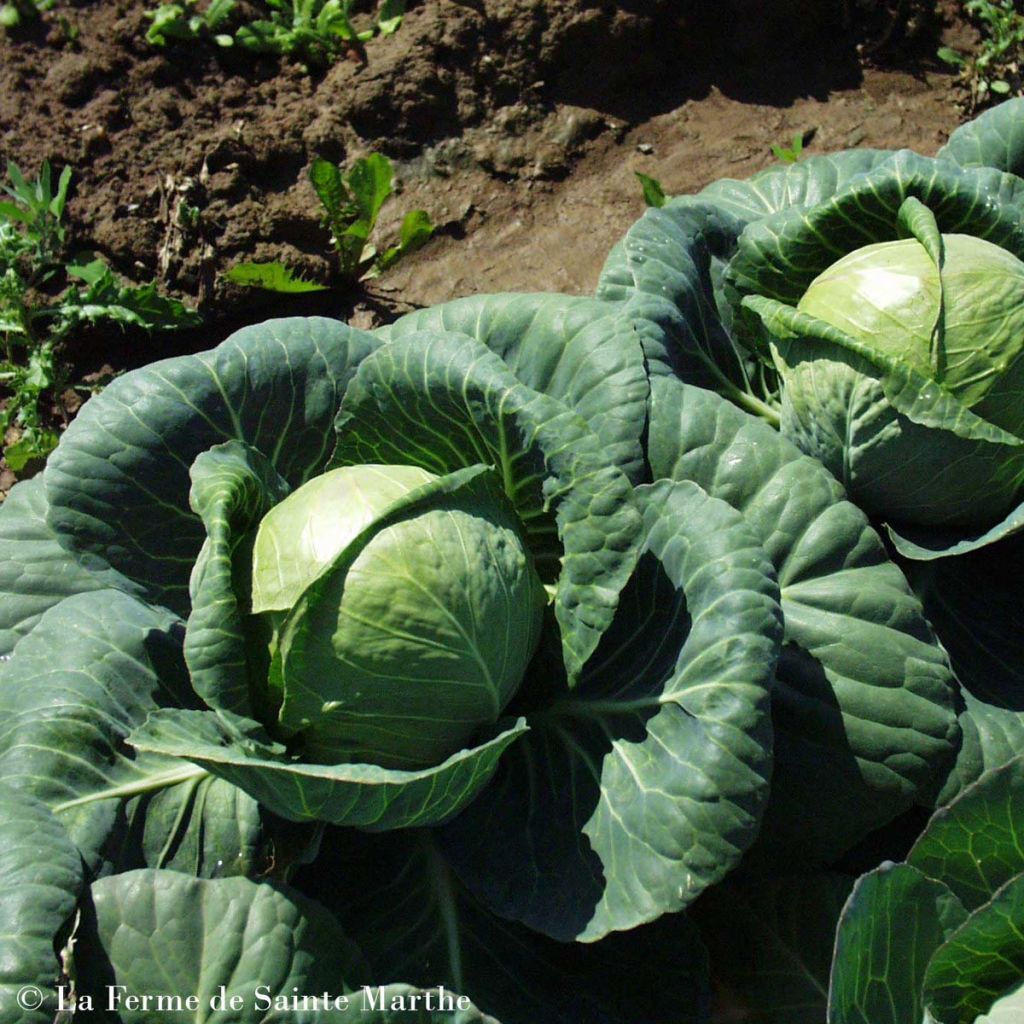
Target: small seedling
{"x": 44, "y": 299}
{"x": 314, "y": 32}
{"x": 654, "y": 194}
{"x": 790, "y": 154}
{"x": 352, "y": 203}
{"x": 17, "y": 12}
{"x": 182, "y": 22}
{"x": 994, "y": 71}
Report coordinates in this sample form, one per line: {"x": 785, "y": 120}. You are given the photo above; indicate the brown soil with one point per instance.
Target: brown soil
{"x": 517, "y": 124}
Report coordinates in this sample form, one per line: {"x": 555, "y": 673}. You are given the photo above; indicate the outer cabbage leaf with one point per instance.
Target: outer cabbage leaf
{"x": 863, "y": 706}
{"x": 579, "y": 350}
{"x": 89, "y": 673}
{"x": 667, "y": 272}
{"x": 42, "y": 876}
{"x": 445, "y": 402}
{"x": 1007, "y": 1009}
{"x": 118, "y": 482}
{"x": 163, "y": 933}
{"x": 994, "y": 139}
{"x": 645, "y": 784}
{"x": 363, "y": 795}
{"x": 233, "y": 487}
{"x": 413, "y": 919}
{"x": 35, "y": 571}
{"x": 980, "y": 960}
{"x": 806, "y": 183}
{"x": 975, "y": 843}
{"x": 893, "y": 923}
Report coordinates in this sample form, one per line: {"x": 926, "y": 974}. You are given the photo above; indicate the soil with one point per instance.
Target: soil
{"x": 517, "y": 124}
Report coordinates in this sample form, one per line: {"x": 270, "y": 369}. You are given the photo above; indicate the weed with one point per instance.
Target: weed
{"x": 994, "y": 71}
{"x": 792, "y": 153}
{"x": 352, "y": 203}
{"x": 182, "y": 22}
{"x": 654, "y": 194}
{"x": 17, "y": 12}
{"x": 44, "y": 298}
{"x": 314, "y": 32}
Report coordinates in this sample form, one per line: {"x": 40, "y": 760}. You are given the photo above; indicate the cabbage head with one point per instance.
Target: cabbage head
{"x": 396, "y": 631}
{"x": 952, "y": 329}
{"x": 868, "y": 304}
{"x": 901, "y": 367}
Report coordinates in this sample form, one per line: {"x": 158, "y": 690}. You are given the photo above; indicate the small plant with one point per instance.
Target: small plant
{"x": 43, "y": 299}
{"x": 994, "y": 72}
{"x": 182, "y": 22}
{"x": 312, "y": 31}
{"x": 315, "y": 31}
{"x": 352, "y": 203}
{"x": 790, "y": 154}
{"x": 17, "y": 12}
{"x": 654, "y": 194}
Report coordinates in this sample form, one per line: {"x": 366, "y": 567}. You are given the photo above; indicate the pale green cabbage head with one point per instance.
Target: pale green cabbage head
{"x": 397, "y": 627}
{"x": 965, "y": 331}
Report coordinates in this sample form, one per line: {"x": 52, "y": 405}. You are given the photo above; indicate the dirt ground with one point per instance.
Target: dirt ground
{"x": 517, "y": 124}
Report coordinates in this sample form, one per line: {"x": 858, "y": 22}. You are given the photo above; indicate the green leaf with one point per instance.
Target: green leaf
{"x": 1007, "y": 1009}
{"x": 272, "y": 277}
{"x": 106, "y": 298}
{"x": 804, "y": 184}
{"x": 21, "y": 453}
{"x": 360, "y": 795}
{"x": 416, "y": 229}
{"x": 951, "y": 56}
{"x": 118, "y": 485}
{"x": 995, "y": 139}
{"x": 666, "y": 272}
{"x": 980, "y": 960}
{"x": 578, "y": 350}
{"x": 444, "y": 402}
{"x": 892, "y": 924}
{"x": 163, "y": 933}
{"x": 927, "y": 544}
{"x": 389, "y": 16}
{"x": 233, "y": 488}
{"x": 90, "y": 672}
{"x": 433, "y": 932}
{"x": 864, "y": 700}
{"x": 654, "y": 194}
{"x": 603, "y": 818}
{"x": 42, "y": 875}
{"x": 329, "y": 185}
{"x": 36, "y": 572}
{"x": 13, "y": 212}
{"x": 770, "y": 940}
{"x": 370, "y": 183}
{"x": 974, "y": 845}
